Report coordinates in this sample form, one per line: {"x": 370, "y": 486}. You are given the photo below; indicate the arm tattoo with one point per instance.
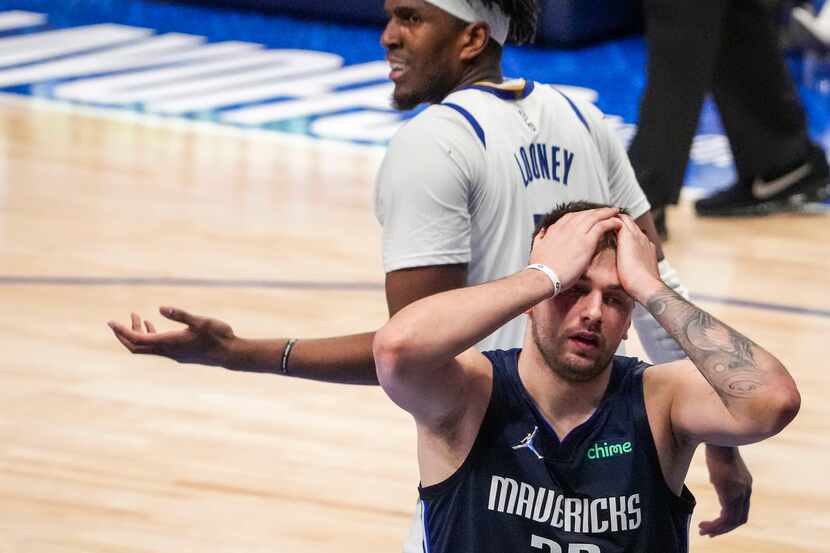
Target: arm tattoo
{"x": 725, "y": 357}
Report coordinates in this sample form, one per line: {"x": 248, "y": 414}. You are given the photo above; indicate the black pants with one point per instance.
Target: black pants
{"x": 729, "y": 48}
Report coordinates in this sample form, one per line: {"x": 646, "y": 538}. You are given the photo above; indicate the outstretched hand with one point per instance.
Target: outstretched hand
{"x": 205, "y": 341}
{"x": 568, "y": 246}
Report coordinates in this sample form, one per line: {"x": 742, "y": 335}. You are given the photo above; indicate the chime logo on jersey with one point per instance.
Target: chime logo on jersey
{"x": 544, "y": 161}
{"x": 572, "y": 514}
{"x": 604, "y": 450}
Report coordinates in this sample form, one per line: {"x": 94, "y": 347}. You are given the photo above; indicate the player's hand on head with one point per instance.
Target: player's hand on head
{"x": 204, "y": 340}
{"x": 636, "y": 260}
{"x": 568, "y": 245}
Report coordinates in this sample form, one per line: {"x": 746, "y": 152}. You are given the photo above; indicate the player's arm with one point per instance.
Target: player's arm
{"x": 754, "y": 395}
{"x": 339, "y": 359}
{"x": 425, "y": 357}
{"x": 727, "y": 470}
{"x": 731, "y": 391}
{"x": 209, "y": 341}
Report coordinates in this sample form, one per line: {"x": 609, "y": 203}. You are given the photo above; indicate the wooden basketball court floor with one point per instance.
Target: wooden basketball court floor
{"x": 101, "y": 451}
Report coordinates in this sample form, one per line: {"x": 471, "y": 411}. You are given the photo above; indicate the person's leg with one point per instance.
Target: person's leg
{"x": 763, "y": 118}
{"x": 682, "y": 39}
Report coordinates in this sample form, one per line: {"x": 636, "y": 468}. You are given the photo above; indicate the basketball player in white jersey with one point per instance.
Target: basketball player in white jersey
{"x": 456, "y": 197}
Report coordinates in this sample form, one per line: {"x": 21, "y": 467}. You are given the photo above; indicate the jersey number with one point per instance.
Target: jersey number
{"x": 538, "y": 542}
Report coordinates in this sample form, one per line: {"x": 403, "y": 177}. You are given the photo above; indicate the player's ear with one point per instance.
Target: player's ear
{"x": 474, "y": 40}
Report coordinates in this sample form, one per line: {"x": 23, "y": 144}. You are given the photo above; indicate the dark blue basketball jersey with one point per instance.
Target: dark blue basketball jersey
{"x": 600, "y": 490}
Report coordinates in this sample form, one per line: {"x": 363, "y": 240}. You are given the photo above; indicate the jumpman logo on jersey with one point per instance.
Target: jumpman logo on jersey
{"x": 527, "y": 442}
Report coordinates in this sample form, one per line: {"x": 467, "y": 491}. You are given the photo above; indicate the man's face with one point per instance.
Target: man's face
{"x": 579, "y": 330}
{"x": 422, "y": 44}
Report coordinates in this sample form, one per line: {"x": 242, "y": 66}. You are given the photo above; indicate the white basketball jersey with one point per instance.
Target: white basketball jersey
{"x": 464, "y": 180}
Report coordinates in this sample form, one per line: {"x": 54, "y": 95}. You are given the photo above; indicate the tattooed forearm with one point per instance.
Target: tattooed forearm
{"x": 725, "y": 357}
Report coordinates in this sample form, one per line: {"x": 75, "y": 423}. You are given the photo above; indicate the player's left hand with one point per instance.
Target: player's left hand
{"x": 205, "y": 341}
{"x": 636, "y": 261}
{"x": 569, "y": 244}
{"x": 733, "y": 484}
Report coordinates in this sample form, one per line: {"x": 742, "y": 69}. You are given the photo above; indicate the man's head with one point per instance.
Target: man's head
{"x": 434, "y": 46}
{"x": 578, "y": 331}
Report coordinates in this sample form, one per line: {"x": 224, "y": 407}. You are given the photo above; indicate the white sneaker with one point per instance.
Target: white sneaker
{"x": 816, "y": 27}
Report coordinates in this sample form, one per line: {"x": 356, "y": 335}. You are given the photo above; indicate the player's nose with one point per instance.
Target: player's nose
{"x": 391, "y": 36}
{"x": 592, "y": 307}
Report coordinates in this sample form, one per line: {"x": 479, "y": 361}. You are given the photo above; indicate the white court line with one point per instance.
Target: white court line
{"x": 18, "y": 19}
{"x": 27, "y": 48}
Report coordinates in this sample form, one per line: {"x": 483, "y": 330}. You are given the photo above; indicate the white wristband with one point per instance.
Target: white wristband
{"x": 554, "y": 278}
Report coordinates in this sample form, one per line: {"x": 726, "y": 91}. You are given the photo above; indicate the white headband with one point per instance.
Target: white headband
{"x": 474, "y": 11}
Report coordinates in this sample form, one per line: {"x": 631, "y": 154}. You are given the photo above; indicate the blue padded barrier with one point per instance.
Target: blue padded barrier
{"x": 561, "y": 22}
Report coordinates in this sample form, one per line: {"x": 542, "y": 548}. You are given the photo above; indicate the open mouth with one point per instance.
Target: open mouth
{"x": 587, "y": 340}
{"x": 396, "y": 69}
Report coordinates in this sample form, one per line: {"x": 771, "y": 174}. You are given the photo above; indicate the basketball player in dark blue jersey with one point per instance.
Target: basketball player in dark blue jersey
{"x": 560, "y": 446}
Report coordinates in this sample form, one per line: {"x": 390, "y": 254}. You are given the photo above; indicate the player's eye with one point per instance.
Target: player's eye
{"x": 408, "y": 16}
{"x": 617, "y": 301}
{"x": 577, "y": 290}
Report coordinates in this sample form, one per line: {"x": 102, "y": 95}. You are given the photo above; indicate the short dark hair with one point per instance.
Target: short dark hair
{"x": 523, "y": 16}
{"x": 560, "y": 210}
